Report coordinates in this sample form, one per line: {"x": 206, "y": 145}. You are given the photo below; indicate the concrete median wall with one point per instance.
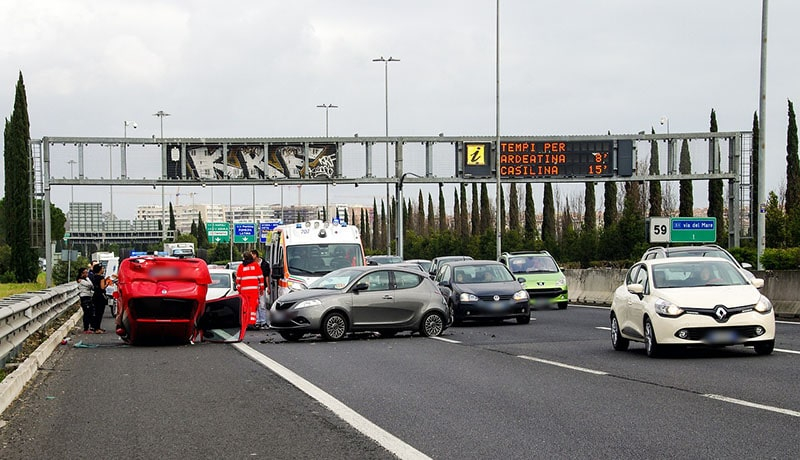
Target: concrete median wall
{"x": 597, "y": 286}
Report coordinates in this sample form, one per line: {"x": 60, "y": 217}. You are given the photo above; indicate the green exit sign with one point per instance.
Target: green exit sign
{"x": 693, "y": 229}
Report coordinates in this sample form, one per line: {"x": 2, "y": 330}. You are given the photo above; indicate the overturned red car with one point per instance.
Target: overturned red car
{"x": 163, "y": 299}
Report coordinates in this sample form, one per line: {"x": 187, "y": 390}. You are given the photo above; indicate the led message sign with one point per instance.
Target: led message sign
{"x": 529, "y": 159}
{"x": 549, "y": 159}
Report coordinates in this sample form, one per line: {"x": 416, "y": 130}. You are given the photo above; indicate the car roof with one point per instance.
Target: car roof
{"x": 679, "y": 260}
{"x": 466, "y": 263}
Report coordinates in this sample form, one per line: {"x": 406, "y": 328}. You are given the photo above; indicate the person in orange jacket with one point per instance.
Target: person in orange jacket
{"x": 250, "y": 283}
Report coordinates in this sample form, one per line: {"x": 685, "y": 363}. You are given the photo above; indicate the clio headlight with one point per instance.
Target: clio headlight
{"x": 667, "y": 308}
{"x": 296, "y": 285}
{"x": 467, "y": 297}
{"x": 521, "y": 295}
{"x": 307, "y": 304}
{"x": 763, "y": 305}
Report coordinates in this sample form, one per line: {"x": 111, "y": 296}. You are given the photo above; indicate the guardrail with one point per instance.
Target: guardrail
{"x": 21, "y": 315}
{"x": 597, "y": 286}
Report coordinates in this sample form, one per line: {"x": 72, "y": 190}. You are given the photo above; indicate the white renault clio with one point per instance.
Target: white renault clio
{"x": 691, "y": 301}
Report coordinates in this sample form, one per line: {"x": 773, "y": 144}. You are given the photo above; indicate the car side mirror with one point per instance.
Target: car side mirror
{"x": 521, "y": 280}
{"x": 444, "y": 283}
{"x": 637, "y": 289}
{"x": 758, "y": 283}
{"x": 359, "y": 287}
{"x": 746, "y": 265}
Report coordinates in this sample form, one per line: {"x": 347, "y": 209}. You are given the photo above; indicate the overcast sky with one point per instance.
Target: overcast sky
{"x": 259, "y": 68}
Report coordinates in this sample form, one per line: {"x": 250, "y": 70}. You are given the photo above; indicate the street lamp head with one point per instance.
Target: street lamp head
{"x": 664, "y": 119}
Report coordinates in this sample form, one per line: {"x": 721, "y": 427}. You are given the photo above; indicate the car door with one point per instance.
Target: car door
{"x": 223, "y": 320}
{"x": 634, "y": 305}
{"x": 624, "y": 299}
{"x": 411, "y": 297}
{"x": 373, "y": 306}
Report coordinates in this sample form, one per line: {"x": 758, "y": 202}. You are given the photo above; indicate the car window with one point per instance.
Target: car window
{"x": 220, "y": 280}
{"x": 631, "y": 276}
{"x": 377, "y": 281}
{"x": 443, "y": 274}
{"x": 406, "y": 280}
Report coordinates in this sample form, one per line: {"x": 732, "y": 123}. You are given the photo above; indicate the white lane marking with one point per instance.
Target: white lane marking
{"x": 796, "y": 323}
{"x": 603, "y": 328}
{"x": 384, "y": 438}
{"x": 783, "y": 350}
{"x": 567, "y": 366}
{"x": 444, "y": 339}
{"x": 754, "y": 405}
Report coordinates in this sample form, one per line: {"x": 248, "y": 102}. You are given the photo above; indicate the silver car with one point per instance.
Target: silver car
{"x": 378, "y": 298}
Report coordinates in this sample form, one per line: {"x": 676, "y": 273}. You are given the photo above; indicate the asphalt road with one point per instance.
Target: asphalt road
{"x": 551, "y": 389}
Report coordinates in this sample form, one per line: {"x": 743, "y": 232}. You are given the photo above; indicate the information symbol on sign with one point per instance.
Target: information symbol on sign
{"x": 476, "y": 154}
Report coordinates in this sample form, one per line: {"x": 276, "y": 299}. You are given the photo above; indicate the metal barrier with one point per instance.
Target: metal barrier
{"x": 21, "y": 315}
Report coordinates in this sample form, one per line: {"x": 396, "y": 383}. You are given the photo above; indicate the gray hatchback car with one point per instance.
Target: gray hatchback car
{"x": 382, "y": 298}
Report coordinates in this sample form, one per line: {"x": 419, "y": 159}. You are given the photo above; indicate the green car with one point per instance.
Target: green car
{"x": 544, "y": 280}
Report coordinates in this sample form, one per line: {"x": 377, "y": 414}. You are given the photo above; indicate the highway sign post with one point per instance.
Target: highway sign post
{"x": 264, "y": 229}
{"x": 244, "y": 233}
{"x": 218, "y": 232}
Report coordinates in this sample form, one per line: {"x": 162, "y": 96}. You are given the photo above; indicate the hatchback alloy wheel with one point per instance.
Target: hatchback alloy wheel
{"x": 650, "y": 343}
{"x": 432, "y": 325}
{"x": 334, "y": 327}
{"x": 617, "y": 341}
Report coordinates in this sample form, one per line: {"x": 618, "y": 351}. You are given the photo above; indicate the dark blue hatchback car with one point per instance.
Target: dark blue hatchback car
{"x": 481, "y": 290}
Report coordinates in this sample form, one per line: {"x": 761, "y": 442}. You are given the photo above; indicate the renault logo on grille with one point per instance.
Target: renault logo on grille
{"x": 720, "y": 312}
{"x": 496, "y": 298}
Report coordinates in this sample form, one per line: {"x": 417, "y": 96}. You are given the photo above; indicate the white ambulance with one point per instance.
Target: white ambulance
{"x": 302, "y": 252}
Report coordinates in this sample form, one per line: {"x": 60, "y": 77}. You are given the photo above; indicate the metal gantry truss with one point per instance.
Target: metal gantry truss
{"x": 739, "y": 146}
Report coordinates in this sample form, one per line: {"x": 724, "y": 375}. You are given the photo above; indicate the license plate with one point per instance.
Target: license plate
{"x": 722, "y": 336}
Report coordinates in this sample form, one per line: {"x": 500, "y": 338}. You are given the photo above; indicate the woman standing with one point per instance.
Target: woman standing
{"x": 85, "y": 291}
{"x": 99, "y": 282}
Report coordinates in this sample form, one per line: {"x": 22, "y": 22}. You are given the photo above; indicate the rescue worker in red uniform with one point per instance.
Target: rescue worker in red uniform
{"x": 250, "y": 283}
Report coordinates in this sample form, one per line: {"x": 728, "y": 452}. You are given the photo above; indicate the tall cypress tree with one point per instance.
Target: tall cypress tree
{"x": 513, "y": 209}
{"x": 792, "y": 202}
{"x": 202, "y": 233}
{"x": 609, "y": 204}
{"x": 457, "y": 212}
{"x": 686, "y": 206}
{"x": 656, "y": 198}
{"x": 475, "y": 216}
{"x": 376, "y": 226}
{"x": 442, "y": 212}
{"x": 631, "y": 223}
{"x": 486, "y": 209}
{"x": 431, "y": 225}
{"x": 421, "y": 230}
{"x": 531, "y": 233}
{"x": 464, "y": 214}
{"x": 716, "y": 199}
{"x": 172, "y": 222}
{"x": 384, "y": 230}
{"x": 548, "y": 217}
{"x": 590, "y": 211}
{"x": 23, "y": 263}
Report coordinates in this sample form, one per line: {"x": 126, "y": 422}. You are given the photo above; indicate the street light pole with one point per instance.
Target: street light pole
{"x": 327, "y": 107}
{"x": 71, "y": 163}
{"x": 399, "y": 212}
{"x": 386, "y": 97}
{"x": 498, "y": 186}
{"x": 161, "y": 114}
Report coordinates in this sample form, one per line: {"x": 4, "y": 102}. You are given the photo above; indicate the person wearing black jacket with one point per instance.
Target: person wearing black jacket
{"x": 99, "y": 282}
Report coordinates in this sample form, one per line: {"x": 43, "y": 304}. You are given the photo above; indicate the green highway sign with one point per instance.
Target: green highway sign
{"x": 244, "y": 233}
{"x": 693, "y": 229}
{"x": 218, "y": 232}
